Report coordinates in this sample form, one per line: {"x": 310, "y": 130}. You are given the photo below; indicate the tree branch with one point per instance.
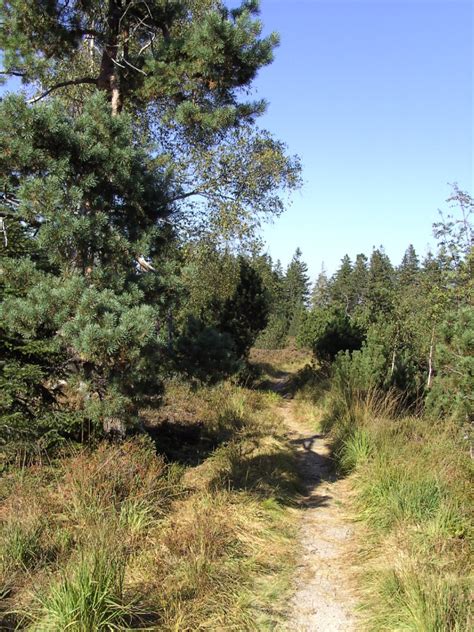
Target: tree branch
{"x": 13, "y": 73}
{"x": 63, "y": 84}
{"x": 12, "y": 215}
{"x": 183, "y": 196}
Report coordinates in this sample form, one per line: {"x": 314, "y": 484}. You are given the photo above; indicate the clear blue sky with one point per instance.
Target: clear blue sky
{"x": 377, "y": 99}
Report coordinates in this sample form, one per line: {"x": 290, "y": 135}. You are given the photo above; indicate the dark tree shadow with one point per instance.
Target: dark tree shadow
{"x": 182, "y": 442}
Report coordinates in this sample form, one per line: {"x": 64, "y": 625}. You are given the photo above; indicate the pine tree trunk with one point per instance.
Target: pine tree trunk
{"x": 170, "y": 329}
{"x": 109, "y": 79}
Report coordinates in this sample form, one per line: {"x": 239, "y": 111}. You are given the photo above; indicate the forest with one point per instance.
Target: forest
{"x": 161, "y": 373}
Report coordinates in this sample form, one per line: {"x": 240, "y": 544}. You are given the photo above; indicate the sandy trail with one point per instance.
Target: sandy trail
{"x": 324, "y": 599}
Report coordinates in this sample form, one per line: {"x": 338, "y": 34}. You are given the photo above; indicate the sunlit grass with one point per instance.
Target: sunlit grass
{"x": 118, "y": 537}
{"x": 411, "y": 477}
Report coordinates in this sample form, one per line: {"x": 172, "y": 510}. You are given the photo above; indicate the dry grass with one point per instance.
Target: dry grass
{"x": 121, "y": 537}
{"x": 288, "y": 360}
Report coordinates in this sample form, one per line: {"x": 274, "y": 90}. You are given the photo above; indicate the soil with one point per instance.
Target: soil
{"x": 324, "y": 597}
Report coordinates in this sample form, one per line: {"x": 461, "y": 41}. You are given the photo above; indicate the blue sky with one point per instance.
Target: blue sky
{"x": 377, "y": 99}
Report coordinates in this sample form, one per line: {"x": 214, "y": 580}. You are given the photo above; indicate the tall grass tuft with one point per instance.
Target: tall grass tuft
{"x": 355, "y": 450}
{"x": 89, "y": 596}
{"x": 412, "y": 599}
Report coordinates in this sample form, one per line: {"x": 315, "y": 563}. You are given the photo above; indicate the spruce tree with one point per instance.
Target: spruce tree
{"x": 296, "y": 291}
{"x": 380, "y": 286}
{"x": 320, "y": 295}
{"x": 359, "y": 282}
{"x": 409, "y": 267}
{"x": 341, "y": 286}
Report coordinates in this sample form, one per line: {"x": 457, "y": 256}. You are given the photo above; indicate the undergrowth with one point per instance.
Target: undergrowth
{"x": 118, "y": 536}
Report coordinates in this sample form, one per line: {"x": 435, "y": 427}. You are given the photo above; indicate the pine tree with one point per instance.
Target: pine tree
{"x": 140, "y": 109}
{"x": 191, "y": 57}
{"x": 380, "y": 286}
{"x": 245, "y": 314}
{"x": 274, "y": 336}
{"x": 92, "y": 204}
{"x": 296, "y": 291}
{"x": 183, "y": 70}
{"x": 341, "y": 286}
{"x": 409, "y": 267}
{"x": 359, "y": 283}
{"x": 320, "y": 293}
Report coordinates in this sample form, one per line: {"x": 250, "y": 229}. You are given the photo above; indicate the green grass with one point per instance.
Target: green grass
{"x": 356, "y": 449}
{"x": 415, "y": 600}
{"x": 413, "y": 495}
{"x": 390, "y": 493}
{"x": 89, "y": 596}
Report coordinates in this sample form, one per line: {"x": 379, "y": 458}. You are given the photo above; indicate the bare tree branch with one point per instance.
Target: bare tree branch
{"x": 63, "y": 84}
{"x": 13, "y": 73}
{"x": 134, "y": 67}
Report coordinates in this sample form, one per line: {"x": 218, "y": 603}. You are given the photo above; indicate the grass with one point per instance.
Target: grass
{"x": 279, "y": 365}
{"x": 186, "y": 530}
{"x": 89, "y": 596}
{"x": 412, "y": 479}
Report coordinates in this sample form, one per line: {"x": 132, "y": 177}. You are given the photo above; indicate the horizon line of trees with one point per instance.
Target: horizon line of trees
{"x": 406, "y": 327}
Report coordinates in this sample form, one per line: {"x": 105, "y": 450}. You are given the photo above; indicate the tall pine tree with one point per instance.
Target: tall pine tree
{"x": 296, "y": 291}
{"x": 91, "y": 172}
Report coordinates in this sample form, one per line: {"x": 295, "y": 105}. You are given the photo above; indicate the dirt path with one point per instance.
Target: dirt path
{"x": 324, "y": 600}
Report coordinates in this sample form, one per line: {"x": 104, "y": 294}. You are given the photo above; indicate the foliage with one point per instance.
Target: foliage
{"x": 451, "y": 394}
{"x": 94, "y": 203}
{"x": 204, "y": 353}
{"x": 136, "y": 154}
{"x": 182, "y": 70}
{"x": 296, "y": 291}
{"x": 274, "y": 336}
{"x": 288, "y": 296}
{"x": 329, "y": 332}
{"x": 245, "y": 314}
{"x": 406, "y": 328}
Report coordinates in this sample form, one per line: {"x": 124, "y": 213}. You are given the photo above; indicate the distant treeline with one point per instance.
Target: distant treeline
{"x": 408, "y": 327}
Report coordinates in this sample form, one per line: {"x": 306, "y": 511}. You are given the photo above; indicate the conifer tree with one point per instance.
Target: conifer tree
{"x": 320, "y": 292}
{"x": 182, "y": 69}
{"x": 341, "y": 286}
{"x": 138, "y": 108}
{"x": 380, "y": 285}
{"x": 409, "y": 267}
{"x": 296, "y": 289}
{"x": 359, "y": 283}
{"x": 192, "y": 56}
{"x": 245, "y": 314}
{"x": 92, "y": 204}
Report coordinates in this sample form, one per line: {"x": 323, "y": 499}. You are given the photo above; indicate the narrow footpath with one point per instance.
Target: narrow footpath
{"x": 324, "y": 599}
